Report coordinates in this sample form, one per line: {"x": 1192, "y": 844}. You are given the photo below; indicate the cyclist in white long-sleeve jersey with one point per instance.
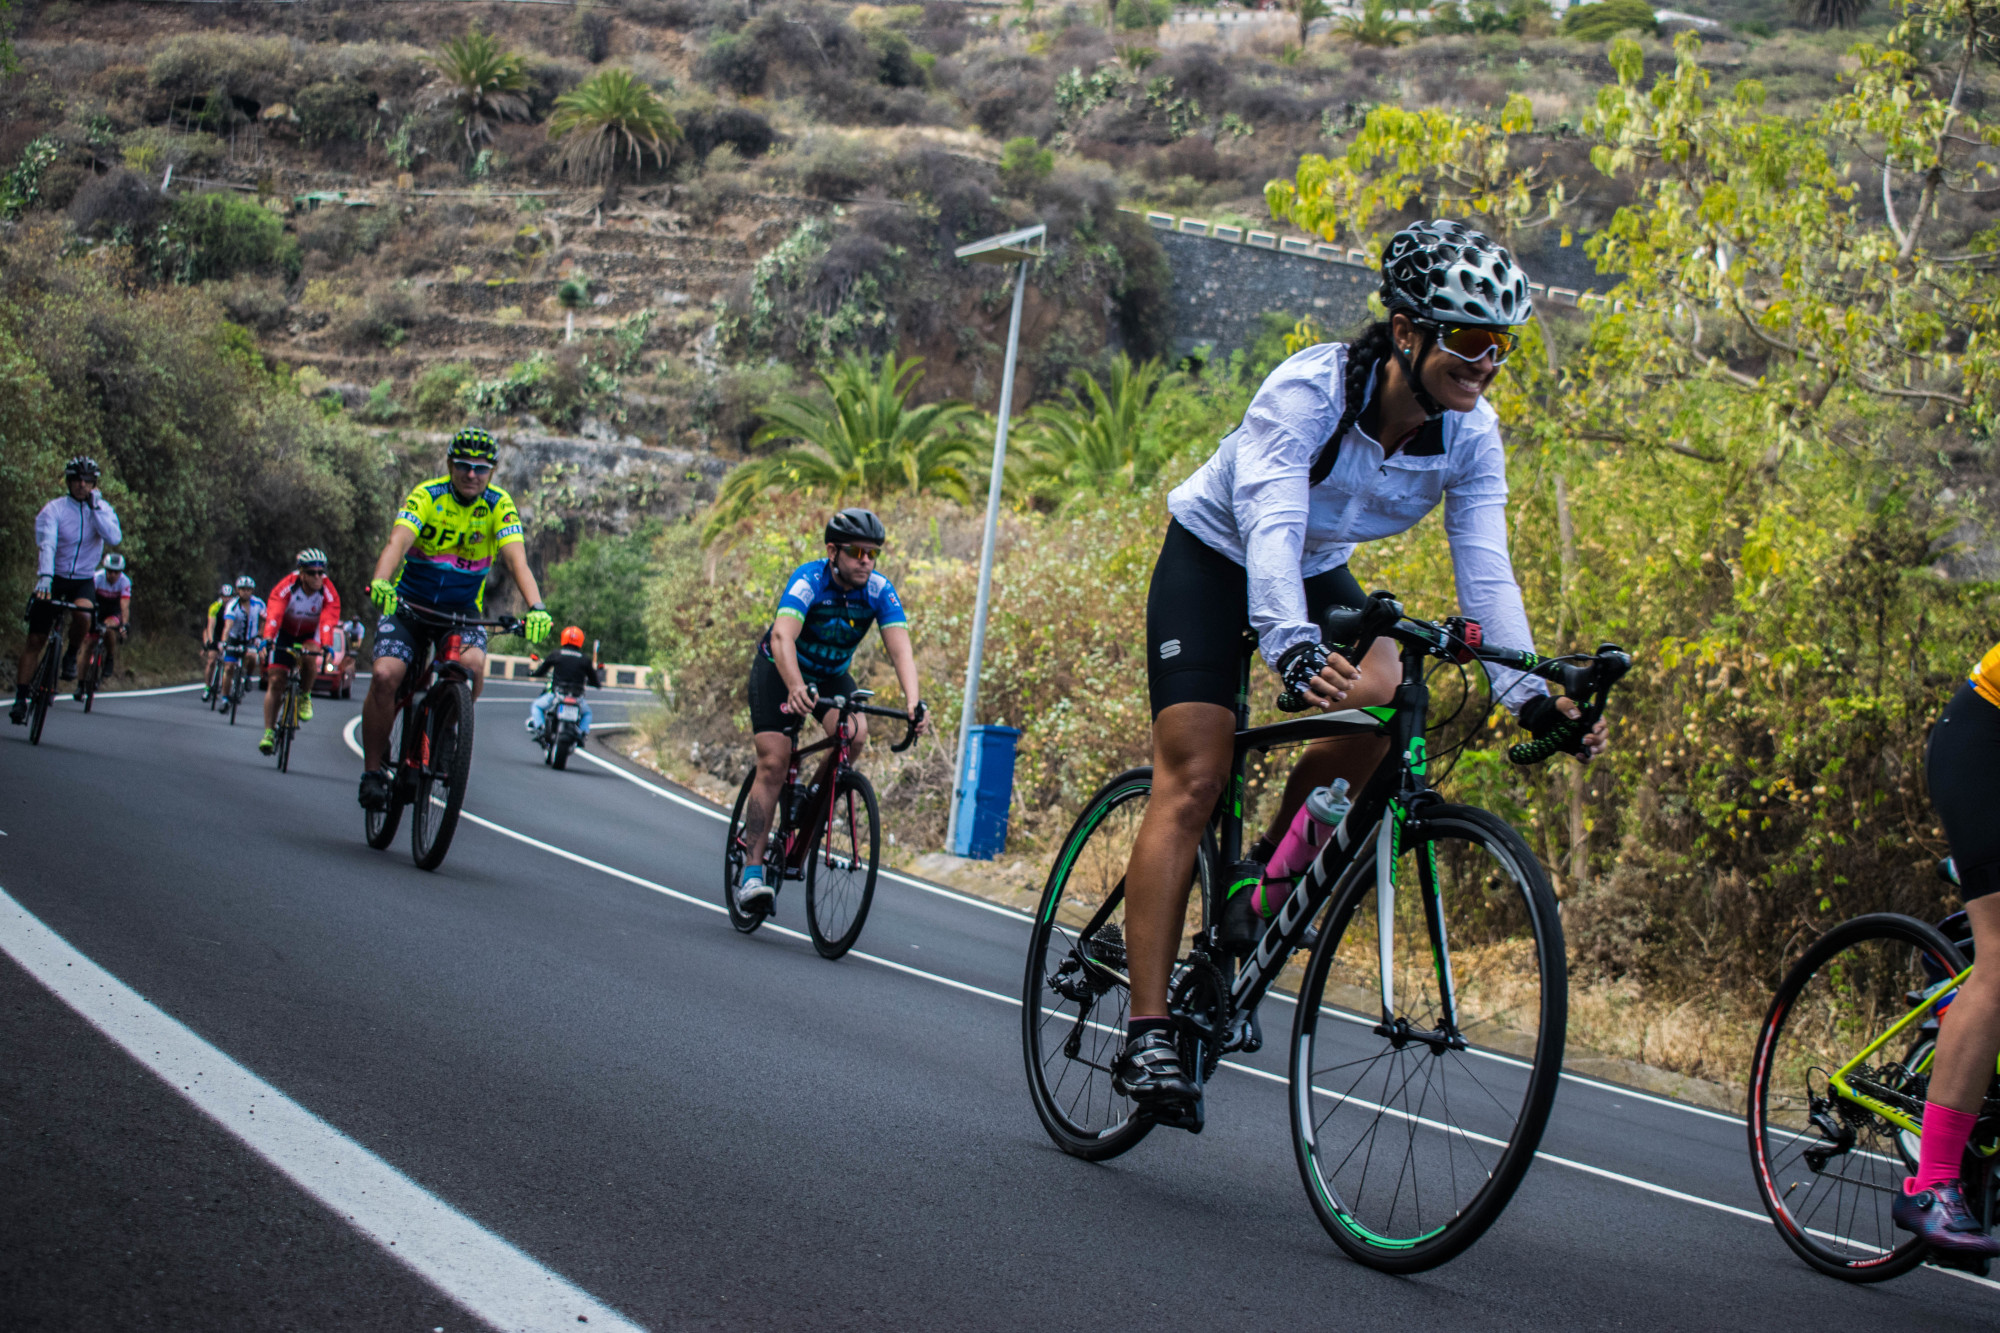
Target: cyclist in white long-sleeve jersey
{"x": 71, "y": 533}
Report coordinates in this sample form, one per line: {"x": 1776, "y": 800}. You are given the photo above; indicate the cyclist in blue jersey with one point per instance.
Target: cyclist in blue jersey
{"x": 823, "y": 614}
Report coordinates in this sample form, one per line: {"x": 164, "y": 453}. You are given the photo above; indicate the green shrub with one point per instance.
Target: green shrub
{"x": 732, "y": 61}
{"x": 434, "y": 399}
{"x": 212, "y": 236}
{"x": 1136, "y": 14}
{"x": 1605, "y": 20}
{"x": 336, "y": 112}
{"x": 21, "y": 187}
{"x": 198, "y": 65}
{"x": 598, "y": 588}
{"x": 1024, "y": 161}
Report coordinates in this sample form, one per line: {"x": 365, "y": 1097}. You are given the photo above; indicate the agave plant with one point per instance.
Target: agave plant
{"x": 481, "y": 81}
{"x": 1376, "y": 25}
{"x": 865, "y": 440}
{"x": 1105, "y": 438}
{"x": 608, "y": 115}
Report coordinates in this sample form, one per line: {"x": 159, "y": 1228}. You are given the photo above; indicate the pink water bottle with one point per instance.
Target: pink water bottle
{"x": 1311, "y": 828}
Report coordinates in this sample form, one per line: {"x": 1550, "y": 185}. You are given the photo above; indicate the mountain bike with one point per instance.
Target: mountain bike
{"x": 430, "y": 758}
{"x": 827, "y": 833}
{"x": 286, "y": 723}
{"x": 1427, "y": 1038}
{"x": 1837, "y": 1089}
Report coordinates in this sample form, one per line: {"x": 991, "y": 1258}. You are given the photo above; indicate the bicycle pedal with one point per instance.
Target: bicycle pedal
{"x": 1190, "y": 1118}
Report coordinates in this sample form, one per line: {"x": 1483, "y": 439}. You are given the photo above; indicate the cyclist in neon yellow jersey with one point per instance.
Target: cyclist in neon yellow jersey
{"x": 445, "y": 541}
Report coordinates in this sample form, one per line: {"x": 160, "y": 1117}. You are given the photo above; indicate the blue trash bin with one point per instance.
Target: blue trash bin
{"x": 987, "y": 793}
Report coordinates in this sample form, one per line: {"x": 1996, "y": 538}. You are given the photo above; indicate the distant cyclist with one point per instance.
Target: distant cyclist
{"x": 211, "y": 639}
{"x": 71, "y": 532}
{"x": 446, "y": 537}
{"x": 112, "y": 589}
{"x": 242, "y": 624}
{"x": 824, "y": 613}
{"x": 1964, "y": 755}
{"x": 299, "y": 623}
{"x": 569, "y": 669}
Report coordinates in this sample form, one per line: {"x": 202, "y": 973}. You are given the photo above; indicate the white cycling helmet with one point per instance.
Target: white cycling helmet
{"x": 114, "y": 563}
{"x": 1449, "y": 273}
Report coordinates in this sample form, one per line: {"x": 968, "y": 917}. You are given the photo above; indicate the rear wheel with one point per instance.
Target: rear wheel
{"x": 447, "y": 764}
{"x": 561, "y": 757}
{"x": 841, "y": 865}
{"x": 733, "y": 860}
{"x": 214, "y": 690}
{"x": 1412, "y": 1134}
{"x": 1076, "y": 998}
{"x": 1827, "y": 1167}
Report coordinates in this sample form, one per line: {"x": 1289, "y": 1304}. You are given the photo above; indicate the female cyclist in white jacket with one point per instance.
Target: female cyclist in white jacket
{"x": 1342, "y": 444}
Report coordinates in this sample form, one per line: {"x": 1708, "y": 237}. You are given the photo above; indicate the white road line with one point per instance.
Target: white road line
{"x": 104, "y": 696}
{"x": 1585, "y": 1167}
{"x": 704, "y": 808}
{"x": 485, "y": 1274}
{"x": 954, "y": 984}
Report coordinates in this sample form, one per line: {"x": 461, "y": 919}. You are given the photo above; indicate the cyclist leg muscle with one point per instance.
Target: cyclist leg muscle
{"x": 378, "y": 710}
{"x": 774, "y": 752}
{"x": 1192, "y": 747}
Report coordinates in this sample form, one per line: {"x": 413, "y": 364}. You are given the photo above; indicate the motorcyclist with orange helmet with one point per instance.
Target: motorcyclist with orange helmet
{"x": 569, "y": 669}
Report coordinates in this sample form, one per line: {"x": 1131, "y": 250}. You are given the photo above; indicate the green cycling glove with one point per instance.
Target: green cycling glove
{"x": 383, "y": 594}
{"x": 539, "y": 624}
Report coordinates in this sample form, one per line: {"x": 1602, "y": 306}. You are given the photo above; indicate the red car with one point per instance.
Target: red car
{"x": 336, "y": 673}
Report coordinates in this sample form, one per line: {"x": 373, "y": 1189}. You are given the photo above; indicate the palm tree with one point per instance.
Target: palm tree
{"x": 867, "y": 441}
{"x": 1307, "y": 11}
{"x": 1376, "y": 26}
{"x": 481, "y": 81}
{"x": 608, "y": 114}
{"x": 1103, "y": 439}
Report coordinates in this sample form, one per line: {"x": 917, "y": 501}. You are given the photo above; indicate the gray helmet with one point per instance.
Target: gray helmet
{"x": 245, "y": 583}
{"x": 312, "y": 558}
{"x": 856, "y": 525}
{"x": 1443, "y": 271}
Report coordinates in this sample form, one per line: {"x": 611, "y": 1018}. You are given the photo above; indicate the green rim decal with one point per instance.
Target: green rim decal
{"x": 1076, "y": 844}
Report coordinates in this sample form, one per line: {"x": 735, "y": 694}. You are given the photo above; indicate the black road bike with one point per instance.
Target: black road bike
{"x": 430, "y": 758}
{"x": 47, "y": 680}
{"x": 237, "y": 672}
{"x": 1428, "y": 1026}
{"x": 287, "y": 720}
{"x": 826, "y": 833}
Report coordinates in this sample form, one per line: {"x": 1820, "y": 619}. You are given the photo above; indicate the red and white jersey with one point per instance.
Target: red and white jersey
{"x": 112, "y": 589}
{"x": 301, "y": 614}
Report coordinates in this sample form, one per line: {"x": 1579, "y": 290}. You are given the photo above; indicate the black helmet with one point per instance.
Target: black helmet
{"x": 1448, "y": 273}
{"x": 856, "y": 525}
{"x": 473, "y": 445}
{"x": 81, "y": 466}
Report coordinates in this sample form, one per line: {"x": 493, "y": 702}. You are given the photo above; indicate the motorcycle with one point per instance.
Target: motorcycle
{"x": 562, "y": 730}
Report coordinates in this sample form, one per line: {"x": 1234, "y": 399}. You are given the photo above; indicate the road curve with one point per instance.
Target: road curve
{"x": 557, "y": 1042}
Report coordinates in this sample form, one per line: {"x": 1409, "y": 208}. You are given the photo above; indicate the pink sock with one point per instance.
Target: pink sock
{"x": 1945, "y": 1135}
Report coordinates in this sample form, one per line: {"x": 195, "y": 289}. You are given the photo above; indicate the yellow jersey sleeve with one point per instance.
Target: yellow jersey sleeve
{"x": 1986, "y": 676}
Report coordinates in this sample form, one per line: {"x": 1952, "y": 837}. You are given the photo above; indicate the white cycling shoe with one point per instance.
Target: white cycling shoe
{"x": 754, "y": 895}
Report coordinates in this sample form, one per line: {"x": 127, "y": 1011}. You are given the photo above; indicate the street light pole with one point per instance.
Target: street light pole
{"x": 1020, "y": 246}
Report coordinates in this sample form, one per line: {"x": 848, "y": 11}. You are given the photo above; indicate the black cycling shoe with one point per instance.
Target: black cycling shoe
{"x": 1940, "y": 1217}
{"x": 18, "y": 714}
{"x": 375, "y": 790}
{"x": 1148, "y": 1071}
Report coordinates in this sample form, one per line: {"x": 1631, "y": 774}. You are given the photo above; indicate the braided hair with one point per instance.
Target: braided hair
{"x": 1366, "y": 356}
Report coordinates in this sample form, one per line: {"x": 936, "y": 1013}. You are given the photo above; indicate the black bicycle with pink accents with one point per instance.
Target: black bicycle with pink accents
{"x": 826, "y": 832}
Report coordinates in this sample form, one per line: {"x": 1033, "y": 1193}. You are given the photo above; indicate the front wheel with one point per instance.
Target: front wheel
{"x": 1828, "y": 1167}
{"x": 446, "y": 766}
{"x": 840, "y": 866}
{"x": 382, "y": 823}
{"x": 1413, "y": 1132}
{"x": 1076, "y": 994}
{"x": 43, "y": 694}
{"x": 86, "y": 679}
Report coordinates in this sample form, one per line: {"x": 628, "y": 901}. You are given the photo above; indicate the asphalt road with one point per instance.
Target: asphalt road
{"x": 558, "y": 1040}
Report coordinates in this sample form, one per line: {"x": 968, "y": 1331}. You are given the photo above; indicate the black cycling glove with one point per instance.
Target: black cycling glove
{"x": 1553, "y": 732}
{"x": 1299, "y": 664}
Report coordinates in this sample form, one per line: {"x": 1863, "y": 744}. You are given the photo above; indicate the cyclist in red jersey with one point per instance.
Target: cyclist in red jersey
{"x": 299, "y": 621}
